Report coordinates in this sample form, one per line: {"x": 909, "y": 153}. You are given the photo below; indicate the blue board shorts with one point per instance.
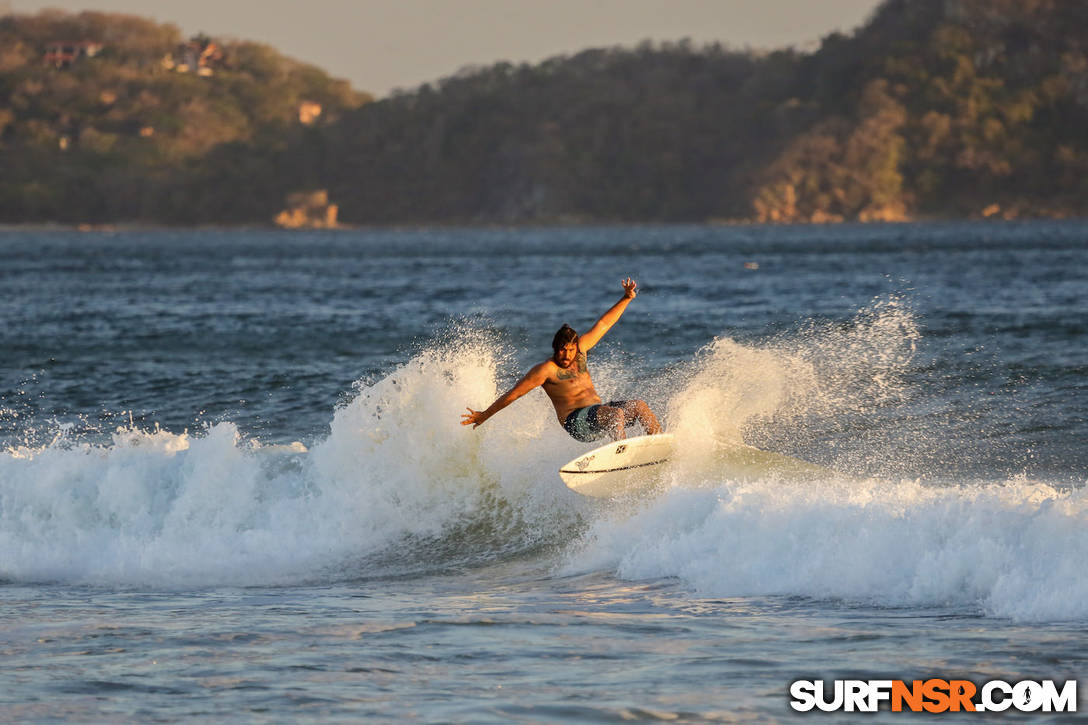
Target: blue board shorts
{"x": 582, "y": 423}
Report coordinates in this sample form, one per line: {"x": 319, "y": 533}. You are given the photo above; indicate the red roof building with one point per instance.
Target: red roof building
{"x": 63, "y": 55}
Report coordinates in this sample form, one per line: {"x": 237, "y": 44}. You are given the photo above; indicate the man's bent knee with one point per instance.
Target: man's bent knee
{"x": 608, "y": 415}
{"x": 612, "y": 419}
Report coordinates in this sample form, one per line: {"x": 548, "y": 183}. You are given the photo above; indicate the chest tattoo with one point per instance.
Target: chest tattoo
{"x": 574, "y": 370}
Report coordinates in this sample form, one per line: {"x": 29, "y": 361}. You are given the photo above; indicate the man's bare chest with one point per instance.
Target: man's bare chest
{"x": 578, "y": 368}
{"x": 576, "y": 376}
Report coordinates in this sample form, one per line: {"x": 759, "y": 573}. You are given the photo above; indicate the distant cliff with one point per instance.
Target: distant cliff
{"x": 933, "y": 109}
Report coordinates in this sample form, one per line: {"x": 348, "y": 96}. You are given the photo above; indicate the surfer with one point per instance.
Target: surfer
{"x": 565, "y": 378}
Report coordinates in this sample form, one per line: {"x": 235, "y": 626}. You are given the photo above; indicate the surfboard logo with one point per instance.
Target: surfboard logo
{"x": 584, "y": 463}
{"x": 620, "y": 449}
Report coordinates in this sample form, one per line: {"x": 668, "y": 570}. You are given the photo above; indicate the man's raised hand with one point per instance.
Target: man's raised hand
{"x": 473, "y": 417}
{"x": 629, "y": 286}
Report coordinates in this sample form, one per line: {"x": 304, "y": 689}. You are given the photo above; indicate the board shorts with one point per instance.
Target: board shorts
{"x": 582, "y": 423}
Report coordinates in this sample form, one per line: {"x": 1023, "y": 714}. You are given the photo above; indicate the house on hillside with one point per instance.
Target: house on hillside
{"x": 61, "y": 54}
{"x": 200, "y": 55}
{"x": 309, "y": 112}
{"x": 308, "y": 210}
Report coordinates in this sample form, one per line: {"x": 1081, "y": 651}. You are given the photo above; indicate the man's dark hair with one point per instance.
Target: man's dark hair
{"x": 565, "y": 334}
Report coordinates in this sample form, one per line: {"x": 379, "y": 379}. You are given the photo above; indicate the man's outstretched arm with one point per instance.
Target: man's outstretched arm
{"x": 533, "y": 379}
{"x": 601, "y": 326}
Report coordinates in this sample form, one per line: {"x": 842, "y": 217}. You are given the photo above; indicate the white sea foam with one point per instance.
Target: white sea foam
{"x": 731, "y": 389}
{"x": 398, "y": 470}
{"x": 1013, "y": 548}
{"x": 209, "y": 509}
{"x": 1007, "y": 547}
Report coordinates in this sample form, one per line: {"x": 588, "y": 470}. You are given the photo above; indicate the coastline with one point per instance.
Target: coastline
{"x": 125, "y": 227}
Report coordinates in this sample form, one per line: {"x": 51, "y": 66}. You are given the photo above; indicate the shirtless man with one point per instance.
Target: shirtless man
{"x": 566, "y": 380}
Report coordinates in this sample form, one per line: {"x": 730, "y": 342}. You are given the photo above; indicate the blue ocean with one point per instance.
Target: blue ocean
{"x": 234, "y": 485}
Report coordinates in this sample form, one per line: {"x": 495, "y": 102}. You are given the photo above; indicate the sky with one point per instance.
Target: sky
{"x": 382, "y": 45}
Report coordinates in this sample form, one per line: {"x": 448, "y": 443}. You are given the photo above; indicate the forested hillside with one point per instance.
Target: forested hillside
{"x": 936, "y": 108}
{"x": 933, "y": 109}
{"x": 107, "y": 117}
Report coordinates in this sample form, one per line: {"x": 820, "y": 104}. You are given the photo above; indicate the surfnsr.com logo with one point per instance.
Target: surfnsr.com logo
{"x": 933, "y": 695}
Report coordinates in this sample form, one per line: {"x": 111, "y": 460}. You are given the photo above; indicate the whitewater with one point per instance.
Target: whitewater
{"x": 225, "y": 447}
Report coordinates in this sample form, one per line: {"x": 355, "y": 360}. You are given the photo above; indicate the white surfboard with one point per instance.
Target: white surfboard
{"x": 629, "y": 467}
{"x": 617, "y": 467}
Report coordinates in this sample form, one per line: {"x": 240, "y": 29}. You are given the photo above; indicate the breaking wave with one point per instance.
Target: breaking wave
{"x": 400, "y": 487}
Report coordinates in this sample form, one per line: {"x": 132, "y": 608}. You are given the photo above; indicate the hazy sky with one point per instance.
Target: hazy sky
{"x": 380, "y": 45}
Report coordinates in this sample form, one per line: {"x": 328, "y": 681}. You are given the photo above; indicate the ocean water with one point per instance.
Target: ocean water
{"x": 233, "y": 483}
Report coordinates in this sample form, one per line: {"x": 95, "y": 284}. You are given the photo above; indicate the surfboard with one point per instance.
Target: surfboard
{"x": 632, "y": 466}
{"x": 616, "y": 467}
